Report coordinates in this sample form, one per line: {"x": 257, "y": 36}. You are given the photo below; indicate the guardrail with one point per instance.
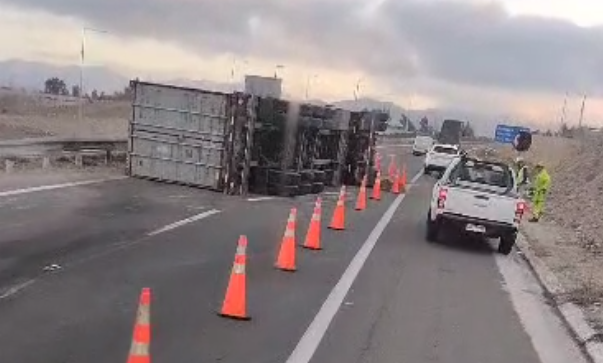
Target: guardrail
{"x": 52, "y": 146}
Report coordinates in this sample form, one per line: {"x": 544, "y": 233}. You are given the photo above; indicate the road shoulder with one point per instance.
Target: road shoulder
{"x": 569, "y": 272}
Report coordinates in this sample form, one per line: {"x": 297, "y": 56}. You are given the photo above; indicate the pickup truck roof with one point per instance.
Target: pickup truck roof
{"x": 445, "y": 148}
{"x": 484, "y": 175}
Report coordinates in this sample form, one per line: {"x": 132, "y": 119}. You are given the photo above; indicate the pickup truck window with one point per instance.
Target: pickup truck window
{"x": 445, "y": 150}
{"x": 483, "y": 176}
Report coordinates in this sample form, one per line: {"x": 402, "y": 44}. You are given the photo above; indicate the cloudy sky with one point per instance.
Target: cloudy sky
{"x": 504, "y": 56}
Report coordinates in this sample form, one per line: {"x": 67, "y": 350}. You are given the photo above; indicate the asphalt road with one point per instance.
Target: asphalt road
{"x": 408, "y": 300}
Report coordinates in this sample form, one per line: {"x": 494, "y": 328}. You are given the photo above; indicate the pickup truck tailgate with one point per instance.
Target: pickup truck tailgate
{"x": 482, "y": 205}
{"x": 441, "y": 159}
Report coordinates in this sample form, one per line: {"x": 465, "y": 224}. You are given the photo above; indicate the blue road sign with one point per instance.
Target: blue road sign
{"x": 506, "y": 134}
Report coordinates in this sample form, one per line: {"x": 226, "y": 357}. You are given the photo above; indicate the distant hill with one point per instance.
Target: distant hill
{"x": 31, "y": 76}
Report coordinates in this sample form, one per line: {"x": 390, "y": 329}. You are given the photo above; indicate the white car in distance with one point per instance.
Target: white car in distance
{"x": 440, "y": 157}
{"x": 422, "y": 145}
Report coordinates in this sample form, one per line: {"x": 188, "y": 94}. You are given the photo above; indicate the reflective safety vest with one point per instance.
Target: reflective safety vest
{"x": 522, "y": 176}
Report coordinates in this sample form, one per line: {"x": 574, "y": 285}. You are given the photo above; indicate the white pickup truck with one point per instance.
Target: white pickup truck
{"x": 439, "y": 157}
{"x": 476, "y": 197}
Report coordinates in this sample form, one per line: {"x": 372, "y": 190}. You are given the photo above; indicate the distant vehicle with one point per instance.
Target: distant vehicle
{"x": 439, "y": 157}
{"x": 421, "y": 145}
{"x": 451, "y": 132}
{"x": 476, "y": 197}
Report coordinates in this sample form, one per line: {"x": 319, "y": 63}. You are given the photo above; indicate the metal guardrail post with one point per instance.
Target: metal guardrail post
{"x": 9, "y": 166}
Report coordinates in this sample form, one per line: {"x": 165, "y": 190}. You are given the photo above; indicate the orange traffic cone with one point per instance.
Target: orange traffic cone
{"x": 312, "y": 241}
{"x": 377, "y": 187}
{"x": 396, "y": 183}
{"x": 378, "y": 161}
{"x": 338, "y": 220}
{"x": 361, "y": 201}
{"x": 141, "y": 340}
{"x": 235, "y": 301}
{"x": 286, "y": 255}
{"x": 392, "y": 166}
{"x": 403, "y": 181}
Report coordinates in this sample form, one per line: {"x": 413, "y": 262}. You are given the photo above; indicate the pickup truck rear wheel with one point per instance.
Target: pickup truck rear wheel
{"x": 506, "y": 243}
{"x": 433, "y": 230}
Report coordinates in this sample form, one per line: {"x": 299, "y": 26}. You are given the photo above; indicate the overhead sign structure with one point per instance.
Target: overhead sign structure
{"x": 507, "y": 134}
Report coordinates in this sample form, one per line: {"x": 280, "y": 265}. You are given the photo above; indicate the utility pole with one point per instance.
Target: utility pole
{"x": 582, "y": 112}
{"x": 82, "y": 60}
{"x": 312, "y": 77}
{"x": 357, "y": 89}
{"x": 580, "y": 129}
{"x": 563, "y": 111}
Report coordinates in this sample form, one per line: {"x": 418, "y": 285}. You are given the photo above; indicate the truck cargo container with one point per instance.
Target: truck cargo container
{"x": 236, "y": 143}
{"x": 189, "y": 136}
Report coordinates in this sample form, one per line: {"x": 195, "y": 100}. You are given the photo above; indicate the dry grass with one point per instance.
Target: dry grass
{"x": 23, "y": 116}
{"x": 570, "y": 239}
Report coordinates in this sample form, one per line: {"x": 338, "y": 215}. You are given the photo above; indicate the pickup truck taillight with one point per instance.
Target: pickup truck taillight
{"x": 442, "y": 194}
{"x": 520, "y": 209}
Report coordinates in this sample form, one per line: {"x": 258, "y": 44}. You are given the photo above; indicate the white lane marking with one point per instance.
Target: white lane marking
{"x": 549, "y": 337}
{"x": 305, "y": 349}
{"x": 183, "y": 222}
{"x": 15, "y": 289}
{"x": 259, "y": 199}
{"x": 58, "y": 186}
{"x": 393, "y": 145}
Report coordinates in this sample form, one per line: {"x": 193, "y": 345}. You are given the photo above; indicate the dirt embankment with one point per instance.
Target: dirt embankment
{"x": 570, "y": 239}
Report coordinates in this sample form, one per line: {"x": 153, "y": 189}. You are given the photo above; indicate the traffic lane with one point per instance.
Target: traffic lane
{"x": 401, "y": 157}
{"x": 420, "y": 302}
{"x": 97, "y": 216}
{"x": 86, "y": 311}
{"x": 65, "y": 225}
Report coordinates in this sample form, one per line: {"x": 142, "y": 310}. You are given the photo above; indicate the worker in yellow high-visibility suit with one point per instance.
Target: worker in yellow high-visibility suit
{"x": 541, "y": 187}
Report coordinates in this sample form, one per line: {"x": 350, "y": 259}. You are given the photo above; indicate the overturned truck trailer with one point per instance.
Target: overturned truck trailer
{"x": 190, "y": 136}
{"x": 236, "y": 143}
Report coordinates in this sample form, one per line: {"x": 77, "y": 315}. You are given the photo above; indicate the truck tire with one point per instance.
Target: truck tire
{"x": 432, "y": 230}
{"x": 507, "y": 241}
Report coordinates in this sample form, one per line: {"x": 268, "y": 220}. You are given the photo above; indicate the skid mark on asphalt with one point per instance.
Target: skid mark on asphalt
{"x": 183, "y": 222}
{"x": 58, "y": 186}
{"x": 305, "y": 349}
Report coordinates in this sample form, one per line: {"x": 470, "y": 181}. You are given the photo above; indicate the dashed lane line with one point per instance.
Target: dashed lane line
{"x": 183, "y": 222}
{"x": 307, "y": 346}
{"x": 58, "y": 186}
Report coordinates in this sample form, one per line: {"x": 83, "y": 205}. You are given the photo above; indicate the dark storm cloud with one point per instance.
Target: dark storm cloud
{"x": 461, "y": 43}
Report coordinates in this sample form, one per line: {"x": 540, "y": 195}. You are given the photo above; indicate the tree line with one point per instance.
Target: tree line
{"x": 57, "y": 86}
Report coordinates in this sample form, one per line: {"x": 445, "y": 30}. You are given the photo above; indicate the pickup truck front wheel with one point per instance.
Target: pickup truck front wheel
{"x": 506, "y": 243}
{"x": 433, "y": 230}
